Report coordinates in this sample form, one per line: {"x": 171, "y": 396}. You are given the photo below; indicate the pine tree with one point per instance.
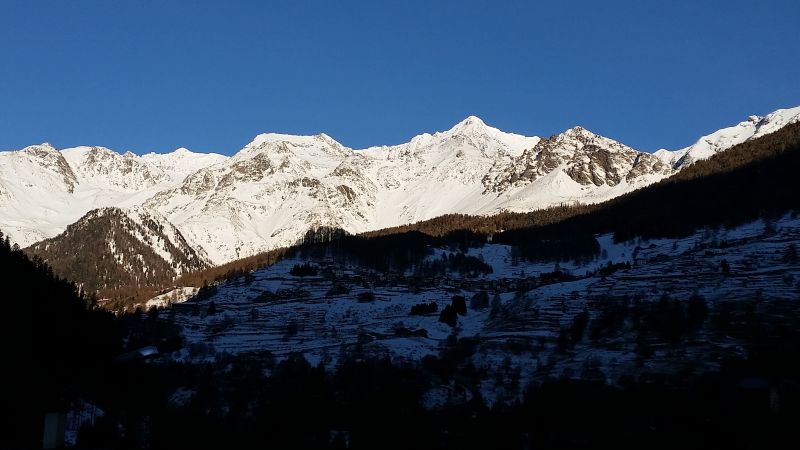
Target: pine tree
{"x": 497, "y": 303}
{"x": 790, "y": 255}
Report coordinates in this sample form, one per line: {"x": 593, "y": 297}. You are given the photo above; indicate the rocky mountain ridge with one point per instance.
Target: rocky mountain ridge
{"x": 278, "y": 186}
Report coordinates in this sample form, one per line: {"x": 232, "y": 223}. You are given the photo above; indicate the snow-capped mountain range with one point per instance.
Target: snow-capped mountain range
{"x": 278, "y": 186}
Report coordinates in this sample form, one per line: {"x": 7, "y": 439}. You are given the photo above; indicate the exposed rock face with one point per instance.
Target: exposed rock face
{"x": 585, "y": 157}
{"x": 120, "y": 171}
{"x": 50, "y": 159}
{"x": 199, "y": 182}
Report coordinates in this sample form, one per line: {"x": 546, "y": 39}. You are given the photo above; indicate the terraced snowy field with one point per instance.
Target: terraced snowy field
{"x": 522, "y": 336}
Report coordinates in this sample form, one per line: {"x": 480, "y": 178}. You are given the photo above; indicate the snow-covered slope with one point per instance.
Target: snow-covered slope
{"x": 708, "y": 146}
{"x": 323, "y": 316}
{"x": 441, "y": 173}
{"x": 574, "y": 166}
{"x": 36, "y": 187}
{"x": 181, "y": 163}
{"x": 42, "y": 190}
{"x": 278, "y": 186}
{"x": 268, "y": 194}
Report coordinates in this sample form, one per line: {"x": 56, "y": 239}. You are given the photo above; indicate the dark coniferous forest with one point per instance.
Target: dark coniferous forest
{"x": 65, "y": 351}
{"x": 57, "y": 344}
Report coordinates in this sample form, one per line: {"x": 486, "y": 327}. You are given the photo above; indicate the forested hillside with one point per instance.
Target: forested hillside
{"x": 56, "y": 343}
{"x": 120, "y": 254}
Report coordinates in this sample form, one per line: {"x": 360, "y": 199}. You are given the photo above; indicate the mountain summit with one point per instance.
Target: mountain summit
{"x": 471, "y": 124}
{"x": 278, "y": 186}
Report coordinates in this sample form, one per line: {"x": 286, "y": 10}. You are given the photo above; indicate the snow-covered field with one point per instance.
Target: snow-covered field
{"x": 177, "y": 295}
{"x": 519, "y": 339}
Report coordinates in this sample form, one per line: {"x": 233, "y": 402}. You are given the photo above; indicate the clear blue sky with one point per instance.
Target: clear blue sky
{"x": 156, "y": 75}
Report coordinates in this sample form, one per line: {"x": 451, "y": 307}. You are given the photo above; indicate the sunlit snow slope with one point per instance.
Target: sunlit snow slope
{"x": 278, "y": 186}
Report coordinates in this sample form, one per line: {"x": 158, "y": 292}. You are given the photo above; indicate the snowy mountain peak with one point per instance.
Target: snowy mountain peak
{"x": 38, "y": 148}
{"x": 44, "y": 152}
{"x": 269, "y": 193}
{"x": 327, "y": 140}
{"x": 302, "y": 140}
{"x": 577, "y": 160}
{"x": 46, "y": 158}
{"x": 778, "y": 119}
{"x": 284, "y": 150}
{"x": 580, "y": 134}
{"x": 755, "y": 119}
{"x": 471, "y": 127}
{"x": 471, "y": 123}
{"x": 180, "y": 152}
{"x": 751, "y": 128}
